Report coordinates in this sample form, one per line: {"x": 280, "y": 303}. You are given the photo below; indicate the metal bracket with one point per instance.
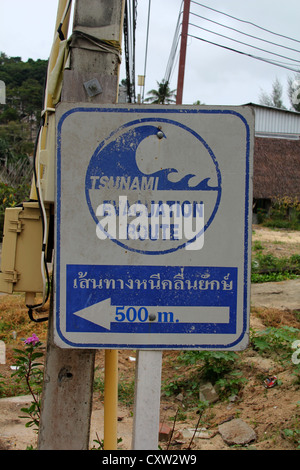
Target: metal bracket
{"x": 93, "y": 87}
{"x": 11, "y": 276}
{"x": 15, "y": 226}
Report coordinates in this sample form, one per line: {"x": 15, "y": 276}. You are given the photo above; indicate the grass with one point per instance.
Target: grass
{"x": 14, "y": 320}
{"x": 267, "y": 267}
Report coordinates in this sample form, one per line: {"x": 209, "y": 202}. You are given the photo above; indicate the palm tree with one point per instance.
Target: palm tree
{"x": 163, "y": 95}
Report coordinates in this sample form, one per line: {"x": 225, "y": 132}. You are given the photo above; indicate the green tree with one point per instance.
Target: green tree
{"x": 24, "y": 88}
{"x": 15, "y": 150}
{"x": 17, "y": 138}
{"x": 274, "y": 99}
{"x": 163, "y": 94}
{"x": 294, "y": 91}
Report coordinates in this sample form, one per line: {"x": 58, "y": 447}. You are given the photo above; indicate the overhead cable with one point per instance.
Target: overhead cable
{"x": 146, "y": 50}
{"x": 174, "y": 47}
{"x": 244, "y": 43}
{"x": 245, "y": 54}
{"x": 129, "y": 27}
{"x": 246, "y": 21}
{"x": 243, "y": 33}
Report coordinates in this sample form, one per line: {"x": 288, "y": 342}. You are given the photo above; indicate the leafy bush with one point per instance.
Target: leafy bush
{"x": 212, "y": 364}
{"x": 276, "y": 342}
{"x": 30, "y": 372}
{"x": 266, "y": 267}
{"x": 284, "y": 213}
{"x": 11, "y": 197}
{"x": 217, "y": 367}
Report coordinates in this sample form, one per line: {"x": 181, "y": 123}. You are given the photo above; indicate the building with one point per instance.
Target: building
{"x": 276, "y": 167}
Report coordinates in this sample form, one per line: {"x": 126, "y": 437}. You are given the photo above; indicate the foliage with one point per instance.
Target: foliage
{"x": 257, "y": 246}
{"x": 11, "y": 197}
{"x": 163, "y": 95}
{"x": 126, "y": 392}
{"x": 294, "y": 91}
{"x": 125, "y": 389}
{"x": 18, "y": 120}
{"x": 100, "y": 443}
{"x": 16, "y": 146}
{"x": 30, "y": 372}
{"x": 276, "y": 342}
{"x": 282, "y": 204}
{"x": 24, "y": 88}
{"x": 16, "y": 141}
{"x": 217, "y": 367}
{"x": 284, "y": 213}
{"x": 230, "y": 384}
{"x": 266, "y": 267}
{"x": 269, "y": 262}
{"x": 293, "y": 435}
{"x": 257, "y": 278}
{"x": 2, "y": 386}
{"x": 213, "y": 364}
{"x": 274, "y": 99}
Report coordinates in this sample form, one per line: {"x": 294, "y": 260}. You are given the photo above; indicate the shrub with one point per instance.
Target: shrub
{"x": 11, "y": 197}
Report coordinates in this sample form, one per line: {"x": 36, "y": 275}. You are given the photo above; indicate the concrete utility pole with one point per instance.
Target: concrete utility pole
{"x": 182, "y": 57}
{"x": 93, "y": 78}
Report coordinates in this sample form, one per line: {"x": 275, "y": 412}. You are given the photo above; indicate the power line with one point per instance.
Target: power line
{"x": 146, "y": 51}
{"x": 245, "y": 21}
{"x": 172, "y": 56}
{"x": 174, "y": 47}
{"x": 244, "y": 53}
{"x": 129, "y": 45}
{"x": 243, "y": 33}
{"x": 244, "y": 43}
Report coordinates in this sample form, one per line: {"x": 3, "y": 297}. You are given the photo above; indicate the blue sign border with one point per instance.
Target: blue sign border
{"x": 151, "y": 110}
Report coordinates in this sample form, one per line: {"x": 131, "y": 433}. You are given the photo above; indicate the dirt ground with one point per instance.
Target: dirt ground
{"x": 268, "y": 411}
{"x": 280, "y": 243}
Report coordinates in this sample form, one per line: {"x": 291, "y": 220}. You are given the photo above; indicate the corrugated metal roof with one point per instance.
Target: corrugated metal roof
{"x": 276, "y": 121}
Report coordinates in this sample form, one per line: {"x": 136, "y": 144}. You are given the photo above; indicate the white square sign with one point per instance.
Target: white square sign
{"x": 153, "y": 226}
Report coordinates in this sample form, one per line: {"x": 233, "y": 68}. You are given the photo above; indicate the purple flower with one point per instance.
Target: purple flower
{"x": 32, "y": 340}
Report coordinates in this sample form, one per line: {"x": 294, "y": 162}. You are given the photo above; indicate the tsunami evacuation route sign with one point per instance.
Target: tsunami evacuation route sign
{"x": 153, "y": 224}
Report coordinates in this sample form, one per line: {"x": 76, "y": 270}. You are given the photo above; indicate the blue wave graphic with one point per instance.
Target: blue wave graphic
{"x": 118, "y": 158}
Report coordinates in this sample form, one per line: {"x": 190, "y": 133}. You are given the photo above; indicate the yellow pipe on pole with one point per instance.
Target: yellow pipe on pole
{"x": 111, "y": 399}
{"x": 111, "y": 361}
{"x": 48, "y": 102}
{"x": 56, "y": 41}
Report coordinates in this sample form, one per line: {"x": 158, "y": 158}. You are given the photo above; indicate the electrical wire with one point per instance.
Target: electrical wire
{"x": 44, "y": 267}
{"x": 246, "y": 22}
{"x": 129, "y": 27}
{"x": 146, "y": 49}
{"x": 244, "y": 53}
{"x": 175, "y": 62}
{"x": 243, "y": 33}
{"x": 282, "y": 64}
{"x": 174, "y": 47}
{"x": 245, "y": 44}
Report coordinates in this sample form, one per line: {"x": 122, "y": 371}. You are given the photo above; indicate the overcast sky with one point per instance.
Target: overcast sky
{"x": 213, "y": 75}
